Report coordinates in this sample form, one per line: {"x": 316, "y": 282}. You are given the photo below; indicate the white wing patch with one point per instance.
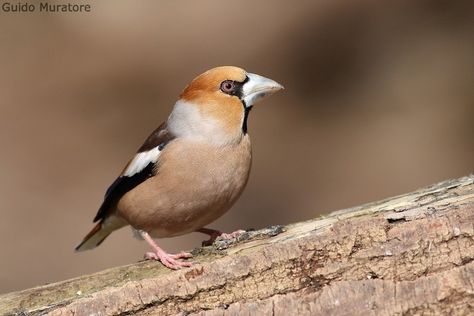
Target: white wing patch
{"x": 141, "y": 160}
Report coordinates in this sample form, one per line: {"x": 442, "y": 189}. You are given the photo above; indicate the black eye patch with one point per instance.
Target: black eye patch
{"x": 232, "y": 87}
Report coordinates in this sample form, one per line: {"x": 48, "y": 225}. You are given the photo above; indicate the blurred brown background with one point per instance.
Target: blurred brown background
{"x": 379, "y": 101}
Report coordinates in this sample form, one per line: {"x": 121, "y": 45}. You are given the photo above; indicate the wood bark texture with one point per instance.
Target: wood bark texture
{"x": 411, "y": 254}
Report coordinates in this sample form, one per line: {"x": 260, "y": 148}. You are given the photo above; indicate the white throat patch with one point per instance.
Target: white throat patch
{"x": 186, "y": 121}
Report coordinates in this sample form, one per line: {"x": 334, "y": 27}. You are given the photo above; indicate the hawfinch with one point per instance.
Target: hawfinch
{"x": 191, "y": 169}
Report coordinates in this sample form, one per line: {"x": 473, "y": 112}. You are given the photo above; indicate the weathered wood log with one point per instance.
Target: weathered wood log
{"x": 411, "y": 254}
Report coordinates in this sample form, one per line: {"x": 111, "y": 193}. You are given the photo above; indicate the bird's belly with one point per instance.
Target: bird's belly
{"x": 189, "y": 194}
{"x": 200, "y": 204}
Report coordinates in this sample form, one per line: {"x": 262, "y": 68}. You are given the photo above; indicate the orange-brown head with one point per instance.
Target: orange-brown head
{"x": 215, "y": 105}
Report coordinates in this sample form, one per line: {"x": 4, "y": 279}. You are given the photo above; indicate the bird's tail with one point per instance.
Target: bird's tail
{"x": 100, "y": 231}
{"x": 94, "y": 238}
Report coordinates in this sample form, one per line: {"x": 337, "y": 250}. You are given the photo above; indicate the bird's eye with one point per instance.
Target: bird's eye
{"x": 228, "y": 86}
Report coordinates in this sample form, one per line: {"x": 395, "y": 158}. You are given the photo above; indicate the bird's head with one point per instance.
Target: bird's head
{"x": 215, "y": 105}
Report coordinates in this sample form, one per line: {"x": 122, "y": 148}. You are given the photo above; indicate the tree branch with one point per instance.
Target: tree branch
{"x": 410, "y": 254}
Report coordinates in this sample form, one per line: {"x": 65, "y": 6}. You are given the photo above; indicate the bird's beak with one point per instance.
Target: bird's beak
{"x": 258, "y": 87}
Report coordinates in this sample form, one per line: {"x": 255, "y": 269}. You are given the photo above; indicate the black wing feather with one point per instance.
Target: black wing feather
{"x": 160, "y": 137}
{"x": 120, "y": 186}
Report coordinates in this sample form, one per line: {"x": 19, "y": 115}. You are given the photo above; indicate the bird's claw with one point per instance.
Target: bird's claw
{"x": 170, "y": 260}
{"x": 182, "y": 255}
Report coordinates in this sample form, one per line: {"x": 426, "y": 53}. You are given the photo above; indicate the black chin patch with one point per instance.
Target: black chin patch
{"x": 246, "y": 116}
{"x": 246, "y": 108}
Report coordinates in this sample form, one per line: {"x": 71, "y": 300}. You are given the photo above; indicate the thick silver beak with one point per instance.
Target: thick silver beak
{"x": 258, "y": 87}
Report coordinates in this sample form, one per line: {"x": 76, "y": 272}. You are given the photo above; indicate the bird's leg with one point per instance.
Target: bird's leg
{"x": 169, "y": 260}
{"x": 213, "y": 234}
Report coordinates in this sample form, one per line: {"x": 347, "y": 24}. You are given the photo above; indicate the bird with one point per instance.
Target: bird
{"x": 190, "y": 170}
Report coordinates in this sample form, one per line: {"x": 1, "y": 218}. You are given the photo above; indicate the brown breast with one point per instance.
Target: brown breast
{"x": 195, "y": 184}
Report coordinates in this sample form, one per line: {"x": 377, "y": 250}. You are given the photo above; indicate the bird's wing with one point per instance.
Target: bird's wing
{"x": 141, "y": 167}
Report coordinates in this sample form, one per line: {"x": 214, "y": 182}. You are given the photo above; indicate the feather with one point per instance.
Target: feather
{"x": 139, "y": 169}
{"x": 141, "y": 161}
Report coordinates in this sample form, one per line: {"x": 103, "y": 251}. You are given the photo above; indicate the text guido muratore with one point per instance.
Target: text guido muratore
{"x": 44, "y": 7}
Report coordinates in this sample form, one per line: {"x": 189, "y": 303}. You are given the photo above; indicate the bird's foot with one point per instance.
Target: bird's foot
{"x": 214, "y": 234}
{"x": 171, "y": 261}
{"x": 168, "y": 260}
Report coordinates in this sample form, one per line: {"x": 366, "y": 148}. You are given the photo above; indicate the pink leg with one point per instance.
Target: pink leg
{"x": 169, "y": 260}
{"x": 216, "y": 233}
